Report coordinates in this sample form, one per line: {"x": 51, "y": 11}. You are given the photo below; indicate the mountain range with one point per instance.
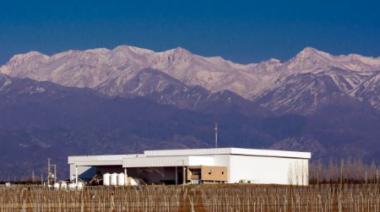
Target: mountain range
{"x": 128, "y": 99}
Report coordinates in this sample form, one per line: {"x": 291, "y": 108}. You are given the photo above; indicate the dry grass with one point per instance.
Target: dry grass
{"x": 326, "y": 197}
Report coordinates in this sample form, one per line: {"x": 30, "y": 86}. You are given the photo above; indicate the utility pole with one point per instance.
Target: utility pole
{"x": 51, "y": 173}
{"x": 55, "y": 173}
{"x": 48, "y": 172}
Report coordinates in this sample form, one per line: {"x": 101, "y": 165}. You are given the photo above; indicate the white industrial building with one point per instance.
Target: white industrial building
{"x": 214, "y": 165}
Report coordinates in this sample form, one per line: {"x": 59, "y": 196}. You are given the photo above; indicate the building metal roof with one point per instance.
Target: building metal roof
{"x": 178, "y": 157}
{"x": 228, "y": 151}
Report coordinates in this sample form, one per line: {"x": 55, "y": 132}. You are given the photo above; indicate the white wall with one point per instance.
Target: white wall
{"x": 83, "y": 171}
{"x": 257, "y": 169}
{"x": 268, "y": 170}
{"x": 201, "y": 161}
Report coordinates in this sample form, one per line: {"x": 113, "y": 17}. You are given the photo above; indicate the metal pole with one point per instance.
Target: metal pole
{"x": 55, "y": 173}
{"x": 48, "y": 172}
{"x": 176, "y": 175}
{"x": 183, "y": 175}
{"x": 216, "y": 134}
{"x": 76, "y": 174}
{"x": 125, "y": 176}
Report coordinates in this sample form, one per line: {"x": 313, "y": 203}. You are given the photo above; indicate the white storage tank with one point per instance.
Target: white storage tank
{"x": 106, "y": 179}
{"x": 80, "y": 185}
{"x": 72, "y": 186}
{"x": 63, "y": 185}
{"x": 114, "y": 179}
{"x": 121, "y": 179}
{"x": 56, "y": 186}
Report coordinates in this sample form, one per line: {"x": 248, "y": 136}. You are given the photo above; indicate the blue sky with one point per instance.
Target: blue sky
{"x": 242, "y": 31}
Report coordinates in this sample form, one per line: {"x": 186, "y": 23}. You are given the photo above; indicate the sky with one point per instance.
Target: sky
{"x": 241, "y": 31}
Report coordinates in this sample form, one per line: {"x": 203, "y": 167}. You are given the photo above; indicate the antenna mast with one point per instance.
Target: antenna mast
{"x": 216, "y": 134}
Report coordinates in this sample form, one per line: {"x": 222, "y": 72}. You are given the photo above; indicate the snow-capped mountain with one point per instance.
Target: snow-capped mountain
{"x": 164, "y": 89}
{"x": 129, "y": 99}
{"x": 301, "y": 93}
{"x": 92, "y": 68}
{"x": 274, "y": 84}
{"x": 304, "y": 93}
{"x": 313, "y": 60}
{"x": 369, "y": 91}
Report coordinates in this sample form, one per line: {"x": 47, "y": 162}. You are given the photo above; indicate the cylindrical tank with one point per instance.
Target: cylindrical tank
{"x": 56, "y": 186}
{"x": 63, "y": 185}
{"x": 72, "y": 186}
{"x": 80, "y": 185}
{"x": 121, "y": 179}
{"x": 114, "y": 179}
{"x": 106, "y": 179}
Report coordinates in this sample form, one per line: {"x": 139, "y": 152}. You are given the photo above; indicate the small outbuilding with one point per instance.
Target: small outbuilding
{"x": 198, "y": 166}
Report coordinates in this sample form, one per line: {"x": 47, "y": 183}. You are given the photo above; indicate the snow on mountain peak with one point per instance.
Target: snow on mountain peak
{"x": 313, "y": 60}
{"x": 179, "y": 50}
{"x": 94, "y": 67}
{"x": 309, "y": 59}
{"x": 172, "y": 59}
{"x": 175, "y": 53}
{"x": 29, "y": 56}
{"x": 371, "y": 61}
{"x": 98, "y": 51}
{"x": 132, "y": 49}
{"x": 274, "y": 60}
{"x": 310, "y": 52}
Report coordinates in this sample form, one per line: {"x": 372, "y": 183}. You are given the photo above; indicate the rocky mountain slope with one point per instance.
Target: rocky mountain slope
{"x": 43, "y": 119}
{"x": 114, "y": 72}
{"x": 128, "y": 99}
